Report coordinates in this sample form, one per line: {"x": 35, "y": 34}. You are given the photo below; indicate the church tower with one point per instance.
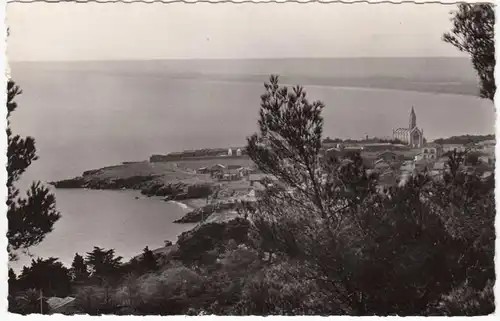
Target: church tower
{"x": 413, "y": 119}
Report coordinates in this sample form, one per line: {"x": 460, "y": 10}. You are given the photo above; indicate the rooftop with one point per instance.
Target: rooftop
{"x": 56, "y": 303}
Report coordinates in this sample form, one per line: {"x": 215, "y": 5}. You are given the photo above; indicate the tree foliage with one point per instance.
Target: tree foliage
{"x": 373, "y": 252}
{"x": 473, "y": 32}
{"x": 12, "y": 281}
{"x": 30, "y": 217}
{"x": 103, "y": 264}
{"x": 326, "y": 236}
{"x": 79, "y": 270}
{"x": 149, "y": 260}
{"x": 28, "y": 302}
{"x": 464, "y": 139}
{"x": 47, "y": 275}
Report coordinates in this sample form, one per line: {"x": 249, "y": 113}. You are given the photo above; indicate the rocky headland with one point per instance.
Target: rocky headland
{"x": 173, "y": 181}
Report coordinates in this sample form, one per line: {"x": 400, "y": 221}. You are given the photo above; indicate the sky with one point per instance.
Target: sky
{"x": 68, "y": 32}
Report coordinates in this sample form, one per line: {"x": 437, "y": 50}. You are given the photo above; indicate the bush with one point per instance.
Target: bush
{"x": 282, "y": 289}
{"x": 204, "y": 243}
{"x": 27, "y": 302}
{"x": 374, "y": 252}
{"x": 96, "y": 300}
{"x": 465, "y": 300}
{"x": 168, "y": 292}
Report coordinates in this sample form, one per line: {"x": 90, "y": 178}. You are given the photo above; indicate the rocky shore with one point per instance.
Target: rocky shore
{"x": 204, "y": 212}
{"x": 142, "y": 176}
{"x": 171, "y": 181}
{"x": 214, "y": 204}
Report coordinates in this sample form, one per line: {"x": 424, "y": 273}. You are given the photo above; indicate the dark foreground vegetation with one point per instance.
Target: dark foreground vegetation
{"x": 326, "y": 240}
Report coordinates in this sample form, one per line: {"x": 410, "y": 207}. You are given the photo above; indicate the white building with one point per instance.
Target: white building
{"x": 411, "y": 136}
{"x": 452, "y": 147}
{"x": 432, "y": 151}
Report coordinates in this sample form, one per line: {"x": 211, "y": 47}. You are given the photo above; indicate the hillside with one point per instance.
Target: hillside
{"x": 464, "y": 139}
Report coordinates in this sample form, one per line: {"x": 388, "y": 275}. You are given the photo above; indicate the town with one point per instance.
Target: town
{"x": 392, "y": 159}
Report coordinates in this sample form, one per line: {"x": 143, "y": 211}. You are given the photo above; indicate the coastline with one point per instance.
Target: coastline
{"x": 182, "y": 205}
{"x": 198, "y": 194}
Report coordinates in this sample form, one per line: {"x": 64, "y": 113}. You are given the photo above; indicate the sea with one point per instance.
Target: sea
{"x": 86, "y": 115}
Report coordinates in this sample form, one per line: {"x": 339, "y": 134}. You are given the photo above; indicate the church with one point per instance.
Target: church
{"x": 411, "y": 136}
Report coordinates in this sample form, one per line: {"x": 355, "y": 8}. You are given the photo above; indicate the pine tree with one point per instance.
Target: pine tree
{"x": 31, "y": 217}
{"x": 290, "y": 139}
{"x": 79, "y": 271}
{"x": 103, "y": 263}
{"x": 473, "y": 32}
{"x": 149, "y": 260}
{"x": 370, "y": 251}
{"x": 48, "y": 275}
{"x": 12, "y": 281}
{"x": 12, "y": 275}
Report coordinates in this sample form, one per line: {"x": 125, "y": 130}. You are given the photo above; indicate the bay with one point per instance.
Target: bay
{"x": 86, "y": 118}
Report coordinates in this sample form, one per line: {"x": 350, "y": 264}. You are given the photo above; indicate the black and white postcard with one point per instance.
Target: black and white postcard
{"x": 242, "y": 159}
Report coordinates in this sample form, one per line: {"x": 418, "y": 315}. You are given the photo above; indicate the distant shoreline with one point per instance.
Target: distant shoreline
{"x": 448, "y": 75}
{"x": 438, "y": 86}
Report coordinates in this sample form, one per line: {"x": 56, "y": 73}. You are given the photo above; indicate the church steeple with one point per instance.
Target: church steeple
{"x": 413, "y": 119}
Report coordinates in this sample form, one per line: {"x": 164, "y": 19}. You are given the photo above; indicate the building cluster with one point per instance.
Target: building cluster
{"x": 207, "y": 153}
{"x": 392, "y": 161}
{"x": 407, "y": 152}
{"x": 227, "y": 172}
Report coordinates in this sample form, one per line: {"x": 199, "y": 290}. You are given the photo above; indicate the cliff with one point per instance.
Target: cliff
{"x": 177, "y": 181}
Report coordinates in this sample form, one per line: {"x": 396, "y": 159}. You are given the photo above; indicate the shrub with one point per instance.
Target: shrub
{"x": 465, "y": 300}
{"x": 96, "y": 299}
{"x": 374, "y": 252}
{"x": 204, "y": 243}
{"x": 164, "y": 293}
{"x": 282, "y": 289}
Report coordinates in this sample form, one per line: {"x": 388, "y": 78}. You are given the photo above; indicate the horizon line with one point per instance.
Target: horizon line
{"x": 255, "y": 58}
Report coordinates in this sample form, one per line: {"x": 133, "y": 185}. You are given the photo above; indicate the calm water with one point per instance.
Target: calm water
{"x": 108, "y": 219}
{"x": 85, "y": 118}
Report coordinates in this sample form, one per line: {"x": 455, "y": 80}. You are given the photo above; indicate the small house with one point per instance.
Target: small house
{"x": 452, "y": 147}
{"x": 388, "y": 156}
{"x": 244, "y": 171}
{"x": 432, "y": 151}
{"x": 259, "y": 178}
{"x": 333, "y": 153}
{"x": 341, "y": 151}
{"x": 203, "y": 170}
{"x": 377, "y": 147}
{"x": 485, "y": 159}
{"x": 217, "y": 170}
{"x": 62, "y": 305}
{"x": 230, "y": 175}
